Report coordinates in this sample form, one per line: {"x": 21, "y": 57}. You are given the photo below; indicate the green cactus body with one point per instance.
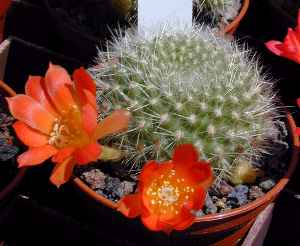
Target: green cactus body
{"x": 186, "y": 87}
{"x": 215, "y": 11}
{"x": 212, "y": 5}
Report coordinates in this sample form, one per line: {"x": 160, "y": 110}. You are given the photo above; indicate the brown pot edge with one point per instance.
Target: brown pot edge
{"x": 16, "y": 180}
{"x": 231, "y": 27}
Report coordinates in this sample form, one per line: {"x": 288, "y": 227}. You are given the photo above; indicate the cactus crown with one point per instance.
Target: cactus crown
{"x": 187, "y": 87}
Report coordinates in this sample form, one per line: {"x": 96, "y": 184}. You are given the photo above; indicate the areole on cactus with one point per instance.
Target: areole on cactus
{"x": 187, "y": 87}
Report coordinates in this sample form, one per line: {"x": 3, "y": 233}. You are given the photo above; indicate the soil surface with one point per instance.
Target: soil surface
{"x": 113, "y": 182}
{"x": 8, "y": 147}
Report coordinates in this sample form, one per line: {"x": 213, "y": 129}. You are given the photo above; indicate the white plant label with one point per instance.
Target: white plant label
{"x": 154, "y": 14}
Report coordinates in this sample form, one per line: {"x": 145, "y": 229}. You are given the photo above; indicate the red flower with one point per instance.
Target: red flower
{"x": 58, "y": 118}
{"x": 290, "y": 47}
{"x": 168, "y": 192}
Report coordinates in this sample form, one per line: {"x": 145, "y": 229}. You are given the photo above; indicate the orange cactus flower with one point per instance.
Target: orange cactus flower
{"x": 58, "y": 118}
{"x": 290, "y": 47}
{"x": 168, "y": 192}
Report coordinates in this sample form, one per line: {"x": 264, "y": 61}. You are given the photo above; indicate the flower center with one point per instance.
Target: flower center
{"x": 168, "y": 193}
{"x": 67, "y": 130}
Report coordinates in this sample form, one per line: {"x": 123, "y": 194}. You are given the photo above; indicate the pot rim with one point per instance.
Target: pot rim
{"x": 268, "y": 197}
{"x": 232, "y": 26}
{"x": 21, "y": 171}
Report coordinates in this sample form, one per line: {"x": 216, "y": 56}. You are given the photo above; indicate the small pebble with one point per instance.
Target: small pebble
{"x": 225, "y": 188}
{"x": 112, "y": 183}
{"x": 7, "y": 152}
{"x": 241, "y": 189}
{"x": 95, "y": 178}
{"x": 239, "y": 196}
{"x": 198, "y": 213}
{"x": 221, "y": 203}
{"x": 255, "y": 192}
{"x": 100, "y": 192}
{"x": 267, "y": 185}
{"x": 227, "y": 208}
{"x": 125, "y": 188}
{"x": 210, "y": 207}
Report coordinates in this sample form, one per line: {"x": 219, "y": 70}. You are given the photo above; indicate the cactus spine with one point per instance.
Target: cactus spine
{"x": 187, "y": 86}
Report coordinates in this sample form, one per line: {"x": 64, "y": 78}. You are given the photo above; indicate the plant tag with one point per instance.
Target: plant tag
{"x": 155, "y": 14}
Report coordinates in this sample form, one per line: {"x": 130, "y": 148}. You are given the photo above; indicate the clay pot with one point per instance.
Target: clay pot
{"x": 231, "y": 27}
{"x": 229, "y": 227}
{"x": 6, "y": 90}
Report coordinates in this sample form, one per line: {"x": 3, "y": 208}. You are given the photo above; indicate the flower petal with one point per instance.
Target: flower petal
{"x": 292, "y": 42}
{"x": 63, "y": 154}
{"x": 29, "y": 136}
{"x": 199, "y": 198}
{"x": 87, "y": 154}
{"x": 196, "y": 173}
{"x": 91, "y": 99}
{"x": 58, "y": 85}
{"x": 83, "y": 81}
{"x": 186, "y": 219}
{"x": 26, "y": 109}
{"x": 130, "y": 206}
{"x": 37, "y": 155}
{"x": 89, "y": 119}
{"x": 275, "y": 46}
{"x": 35, "y": 88}
{"x": 151, "y": 222}
{"x": 148, "y": 170}
{"x": 298, "y": 102}
{"x": 185, "y": 153}
{"x": 291, "y": 46}
{"x": 62, "y": 172}
{"x": 114, "y": 123}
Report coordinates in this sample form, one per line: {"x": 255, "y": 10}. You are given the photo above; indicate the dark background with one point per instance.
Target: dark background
{"x": 41, "y": 214}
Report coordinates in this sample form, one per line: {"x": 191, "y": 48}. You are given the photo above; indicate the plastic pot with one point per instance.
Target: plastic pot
{"x": 31, "y": 22}
{"x": 77, "y": 40}
{"x": 225, "y": 228}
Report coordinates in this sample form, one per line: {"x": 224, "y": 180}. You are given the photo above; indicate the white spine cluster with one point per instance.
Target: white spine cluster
{"x": 187, "y": 87}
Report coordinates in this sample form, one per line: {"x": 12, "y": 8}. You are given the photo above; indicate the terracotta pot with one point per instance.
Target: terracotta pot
{"x": 6, "y": 90}
{"x": 231, "y": 27}
{"x": 229, "y": 227}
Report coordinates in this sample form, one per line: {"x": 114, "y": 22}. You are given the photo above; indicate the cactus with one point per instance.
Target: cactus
{"x": 212, "y": 5}
{"x": 187, "y": 87}
{"x": 126, "y": 8}
{"x": 216, "y": 10}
